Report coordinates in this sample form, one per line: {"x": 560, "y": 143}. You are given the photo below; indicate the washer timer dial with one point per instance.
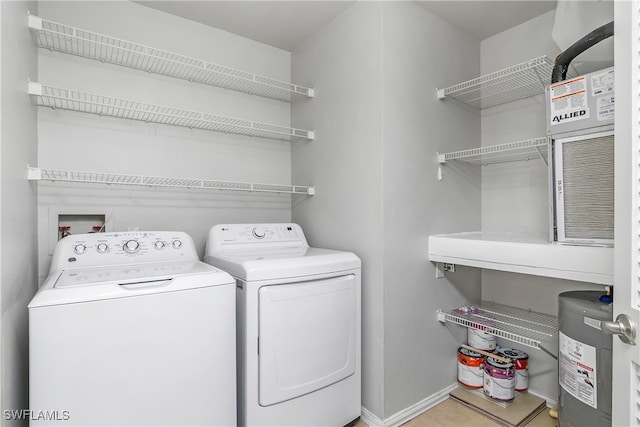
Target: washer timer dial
{"x": 258, "y": 232}
{"x": 131, "y": 246}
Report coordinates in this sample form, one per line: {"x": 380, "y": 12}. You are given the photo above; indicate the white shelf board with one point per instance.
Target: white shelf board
{"x": 75, "y": 41}
{"x": 522, "y": 254}
{"x": 38, "y": 174}
{"x": 525, "y": 327}
{"x": 529, "y": 149}
{"x": 101, "y": 105}
{"x": 519, "y": 81}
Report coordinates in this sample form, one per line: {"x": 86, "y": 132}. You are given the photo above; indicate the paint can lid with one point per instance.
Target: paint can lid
{"x": 498, "y": 363}
{"x": 512, "y": 353}
{"x": 467, "y": 352}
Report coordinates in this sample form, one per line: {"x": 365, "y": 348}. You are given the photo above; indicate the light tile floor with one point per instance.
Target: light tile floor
{"x": 450, "y": 413}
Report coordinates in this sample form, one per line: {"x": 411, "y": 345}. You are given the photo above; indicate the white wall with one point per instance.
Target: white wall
{"x": 379, "y": 125}
{"x": 420, "y": 53}
{"x": 83, "y": 142}
{"x": 344, "y": 63}
{"x": 18, "y": 239}
{"x": 515, "y": 195}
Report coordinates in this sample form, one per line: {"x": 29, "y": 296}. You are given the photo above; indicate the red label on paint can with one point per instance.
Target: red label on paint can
{"x": 470, "y": 368}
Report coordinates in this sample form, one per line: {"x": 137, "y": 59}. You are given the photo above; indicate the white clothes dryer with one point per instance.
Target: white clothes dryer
{"x": 132, "y": 329}
{"x": 298, "y": 325}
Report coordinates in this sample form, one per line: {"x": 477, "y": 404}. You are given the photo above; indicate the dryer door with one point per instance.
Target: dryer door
{"x": 307, "y": 336}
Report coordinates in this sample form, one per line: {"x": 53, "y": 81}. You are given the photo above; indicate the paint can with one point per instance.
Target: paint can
{"x": 499, "y": 379}
{"x": 480, "y": 339}
{"x": 521, "y": 361}
{"x": 470, "y": 368}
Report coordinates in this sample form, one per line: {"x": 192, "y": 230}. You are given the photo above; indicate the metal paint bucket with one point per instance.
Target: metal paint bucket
{"x": 470, "y": 368}
{"x": 521, "y": 362}
{"x": 481, "y": 340}
{"x": 499, "y": 379}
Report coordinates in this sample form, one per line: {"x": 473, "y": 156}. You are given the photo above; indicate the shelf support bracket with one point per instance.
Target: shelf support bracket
{"x": 34, "y": 22}
{"x": 34, "y": 88}
{"x": 443, "y": 267}
{"x": 441, "y": 161}
{"x": 34, "y": 174}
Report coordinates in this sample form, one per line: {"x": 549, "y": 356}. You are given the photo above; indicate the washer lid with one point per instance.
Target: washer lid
{"x": 121, "y": 281}
{"x": 283, "y": 263}
{"x": 126, "y": 275}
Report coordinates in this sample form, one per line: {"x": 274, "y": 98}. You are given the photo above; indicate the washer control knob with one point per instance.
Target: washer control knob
{"x": 102, "y": 248}
{"x": 131, "y": 246}
{"x": 79, "y": 249}
{"x": 177, "y": 244}
{"x": 159, "y": 245}
{"x": 258, "y": 232}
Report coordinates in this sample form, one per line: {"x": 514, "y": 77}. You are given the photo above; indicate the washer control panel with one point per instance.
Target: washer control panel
{"x": 99, "y": 249}
{"x": 241, "y": 235}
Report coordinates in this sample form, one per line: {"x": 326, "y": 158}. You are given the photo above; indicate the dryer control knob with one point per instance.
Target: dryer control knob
{"x": 131, "y": 246}
{"x": 258, "y": 232}
{"x": 177, "y": 244}
{"x": 79, "y": 249}
{"x": 102, "y": 248}
{"x": 159, "y": 245}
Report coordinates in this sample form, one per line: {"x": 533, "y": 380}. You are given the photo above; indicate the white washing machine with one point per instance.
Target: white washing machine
{"x": 131, "y": 329}
{"x": 298, "y": 325}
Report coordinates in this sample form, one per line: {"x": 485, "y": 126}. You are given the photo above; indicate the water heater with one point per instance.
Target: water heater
{"x": 584, "y": 360}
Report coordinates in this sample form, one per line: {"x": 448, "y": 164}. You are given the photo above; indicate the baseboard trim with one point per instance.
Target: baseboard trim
{"x": 370, "y": 419}
{"x": 550, "y": 402}
{"x": 412, "y": 411}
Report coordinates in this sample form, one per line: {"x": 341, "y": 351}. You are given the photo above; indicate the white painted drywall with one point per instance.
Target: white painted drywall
{"x": 78, "y": 141}
{"x": 515, "y": 196}
{"x": 18, "y": 225}
{"x": 420, "y": 53}
{"x": 379, "y": 125}
{"x": 344, "y": 63}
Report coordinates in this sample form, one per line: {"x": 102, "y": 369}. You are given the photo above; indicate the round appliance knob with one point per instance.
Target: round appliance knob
{"x": 79, "y": 249}
{"x": 258, "y": 232}
{"x": 159, "y": 245}
{"x": 177, "y": 244}
{"x": 131, "y": 246}
{"x": 102, "y": 247}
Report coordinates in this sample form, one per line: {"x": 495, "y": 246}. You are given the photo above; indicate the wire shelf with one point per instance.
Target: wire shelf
{"x": 516, "y": 82}
{"x": 521, "y": 326}
{"x": 510, "y": 152}
{"x": 37, "y": 174}
{"x": 87, "y": 44}
{"x": 66, "y": 99}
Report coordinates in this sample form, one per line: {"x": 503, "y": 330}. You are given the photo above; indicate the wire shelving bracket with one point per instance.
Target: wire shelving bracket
{"x": 519, "y": 81}
{"x": 38, "y": 174}
{"x": 75, "y": 41}
{"x": 73, "y": 100}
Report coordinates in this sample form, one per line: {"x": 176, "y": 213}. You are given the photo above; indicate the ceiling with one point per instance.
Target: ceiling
{"x": 287, "y": 24}
{"x": 483, "y": 18}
